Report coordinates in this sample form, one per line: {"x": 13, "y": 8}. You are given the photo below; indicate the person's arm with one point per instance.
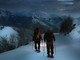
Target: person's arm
{"x": 45, "y": 37}
{"x": 33, "y": 36}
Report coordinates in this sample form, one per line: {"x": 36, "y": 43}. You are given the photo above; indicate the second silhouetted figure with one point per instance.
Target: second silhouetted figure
{"x": 49, "y": 39}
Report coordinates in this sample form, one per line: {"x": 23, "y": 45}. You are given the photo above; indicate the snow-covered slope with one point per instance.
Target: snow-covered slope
{"x": 62, "y": 52}
{"x": 39, "y": 16}
{"x": 76, "y": 34}
{"x": 46, "y": 19}
{"x": 9, "y": 34}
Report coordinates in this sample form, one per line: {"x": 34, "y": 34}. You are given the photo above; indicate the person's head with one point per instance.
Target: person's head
{"x": 50, "y": 30}
{"x": 36, "y": 29}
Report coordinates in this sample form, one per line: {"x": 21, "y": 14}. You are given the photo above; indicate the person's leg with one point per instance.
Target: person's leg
{"x": 52, "y": 51}
{"x": 48, "y": 50}
{"x": 39, "y": 46}
{"x": 35, "y": 46}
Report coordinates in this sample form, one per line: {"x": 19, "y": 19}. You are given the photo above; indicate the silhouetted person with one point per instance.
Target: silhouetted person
{"x": 49, "y": 39}
{"x": 37, "y": 38}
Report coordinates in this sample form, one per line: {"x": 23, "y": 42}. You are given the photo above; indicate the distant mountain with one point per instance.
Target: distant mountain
{"x": 47, "y": 20}
{"x": 4, "y": 13}
{"x": 38, "y": 19}
{"x": 9, "y": 19}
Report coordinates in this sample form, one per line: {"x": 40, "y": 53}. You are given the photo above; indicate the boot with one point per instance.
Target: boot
{"x": 48, "y": 55}
{"x": 38, "y": 50}
{"x": 51, "y": 56}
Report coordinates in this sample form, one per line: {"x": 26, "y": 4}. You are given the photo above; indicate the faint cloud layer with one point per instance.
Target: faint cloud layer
{"x": 70, "y": 6}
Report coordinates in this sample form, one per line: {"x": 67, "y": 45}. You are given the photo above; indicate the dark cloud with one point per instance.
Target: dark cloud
{"x": 24, "y": 6}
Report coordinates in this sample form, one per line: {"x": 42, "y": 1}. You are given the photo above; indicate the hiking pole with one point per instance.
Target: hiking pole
{"x": 54, "y": 48}
{"x": 43, "y": 48}
{"x": 32, "y": 44}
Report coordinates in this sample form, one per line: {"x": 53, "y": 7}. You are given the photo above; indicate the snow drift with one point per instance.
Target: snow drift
{"x": 10, "y": 35}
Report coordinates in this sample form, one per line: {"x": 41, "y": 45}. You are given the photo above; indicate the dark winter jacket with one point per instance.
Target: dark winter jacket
{"x": 37, "y": 36}
{"x": 49, "y": 37}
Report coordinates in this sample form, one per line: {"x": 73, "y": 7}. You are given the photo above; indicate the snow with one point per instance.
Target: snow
{"x": 40, "y": 15}
{"x": 8, "y": 33}
{"x": 62, "y": 51}
{"x": 76, "y": 34}
{"x": 39, "y": 21}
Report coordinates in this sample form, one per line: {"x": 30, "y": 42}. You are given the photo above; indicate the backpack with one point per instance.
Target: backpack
{"x": 38, "y": 37}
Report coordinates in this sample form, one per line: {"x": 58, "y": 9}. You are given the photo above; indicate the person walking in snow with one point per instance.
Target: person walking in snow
{"x": 37, "y": 39}
{"x": 49, "y": 39}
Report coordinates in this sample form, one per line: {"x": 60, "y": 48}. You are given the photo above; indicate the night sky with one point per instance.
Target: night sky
{"x": 60, "y": 7}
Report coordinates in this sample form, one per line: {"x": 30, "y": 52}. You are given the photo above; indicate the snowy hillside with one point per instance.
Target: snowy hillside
{"x": 9, "y": 34}
{"x": 76, "y": 34}
{"x": 46, "y": 19}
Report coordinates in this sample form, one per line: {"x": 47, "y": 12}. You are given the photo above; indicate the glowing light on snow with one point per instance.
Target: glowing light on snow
{"x": 43, "y": 45}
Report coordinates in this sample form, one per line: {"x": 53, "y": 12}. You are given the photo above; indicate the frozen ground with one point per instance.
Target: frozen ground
{"x": 65, "y": 50}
